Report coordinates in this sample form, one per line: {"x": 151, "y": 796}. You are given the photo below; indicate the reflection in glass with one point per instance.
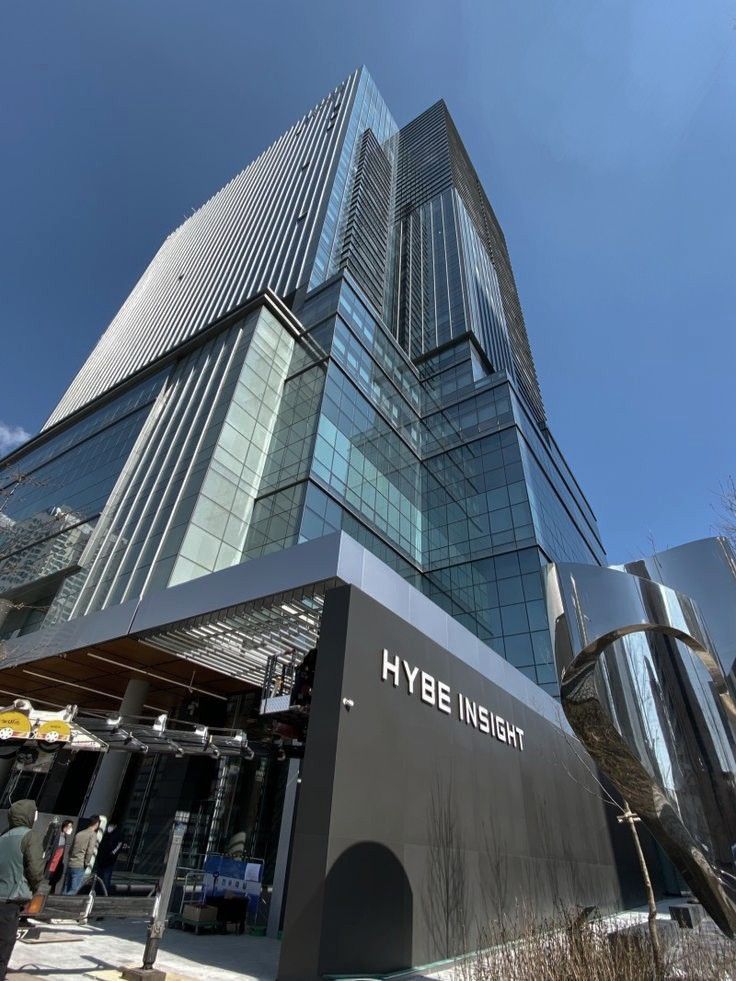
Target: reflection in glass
{"x": 643, "y": 688}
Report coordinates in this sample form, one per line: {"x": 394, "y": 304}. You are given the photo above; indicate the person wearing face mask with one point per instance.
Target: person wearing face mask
{"x": 59, "y": 854}
{"x": 81, "y": 856}
{"x": 21, "y": 873}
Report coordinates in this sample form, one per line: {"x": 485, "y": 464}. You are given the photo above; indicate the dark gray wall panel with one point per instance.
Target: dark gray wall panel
{"x": 402, "y": 805}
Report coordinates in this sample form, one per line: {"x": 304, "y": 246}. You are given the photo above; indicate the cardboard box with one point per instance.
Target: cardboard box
{"x": 199, "y": 914}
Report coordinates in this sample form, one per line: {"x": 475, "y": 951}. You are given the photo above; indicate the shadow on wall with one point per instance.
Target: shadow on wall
{"x": 368, "y": 890}
{"x": 445, "y": 893}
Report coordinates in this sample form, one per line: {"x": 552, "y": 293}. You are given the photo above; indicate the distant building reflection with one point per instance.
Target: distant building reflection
{"x": 643, "y": 667}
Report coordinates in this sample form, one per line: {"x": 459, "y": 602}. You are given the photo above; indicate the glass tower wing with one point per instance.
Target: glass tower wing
{"x": 369, "y": 113}
{"x": 454, "y": 270}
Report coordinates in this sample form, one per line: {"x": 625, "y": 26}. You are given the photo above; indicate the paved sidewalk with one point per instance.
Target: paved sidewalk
{"x": 99, "y": 950}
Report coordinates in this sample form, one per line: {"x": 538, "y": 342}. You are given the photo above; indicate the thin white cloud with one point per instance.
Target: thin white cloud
{"x": 10, "y": 437}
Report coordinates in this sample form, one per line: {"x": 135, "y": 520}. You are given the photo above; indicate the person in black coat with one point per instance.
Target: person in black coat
{"x": 59, "y": 852}
{"x": 107, "y": 854}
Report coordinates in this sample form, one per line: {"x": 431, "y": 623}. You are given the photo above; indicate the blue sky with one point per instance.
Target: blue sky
{"x": 604, "y": 133}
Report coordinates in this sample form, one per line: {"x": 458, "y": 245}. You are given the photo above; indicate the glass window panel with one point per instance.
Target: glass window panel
{"x": 510, "y": 591}
{"x": 514, "y": 619}
{"x": 537, "y": 613}
{"x": 519, "y": 650}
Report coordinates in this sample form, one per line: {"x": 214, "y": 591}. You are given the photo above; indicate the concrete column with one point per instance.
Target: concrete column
{"x": 104, "y": 790}
{"x": 282, "y": 853}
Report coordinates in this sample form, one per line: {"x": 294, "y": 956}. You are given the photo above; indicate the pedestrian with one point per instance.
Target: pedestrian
{"x": 58, "y": 860}
{"x": 107, "y": 855}
{"x": 21, "y": 873}
{"x": 81, "y": 856}
{"x": 49, "y": 841}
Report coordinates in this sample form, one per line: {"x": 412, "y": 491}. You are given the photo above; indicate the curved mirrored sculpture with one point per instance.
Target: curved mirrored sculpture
{"x": 642, "y": 684}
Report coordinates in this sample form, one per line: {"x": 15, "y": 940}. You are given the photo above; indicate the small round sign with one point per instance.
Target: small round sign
{"x": 53, "y": 731}
{"x": 14, "y": 725}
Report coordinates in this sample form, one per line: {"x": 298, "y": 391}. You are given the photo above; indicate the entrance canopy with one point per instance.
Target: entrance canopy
{"x": 96, "y": 677}
{"x": 214, "y": 636}
{"x": 217, "y": 635}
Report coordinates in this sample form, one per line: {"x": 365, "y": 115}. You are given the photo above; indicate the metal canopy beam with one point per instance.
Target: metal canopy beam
{"x": 66, "y": 729}
{"x": 243, "y": 639}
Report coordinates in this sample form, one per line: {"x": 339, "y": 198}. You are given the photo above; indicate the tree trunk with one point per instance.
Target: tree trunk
{"x": 651, "y": 901}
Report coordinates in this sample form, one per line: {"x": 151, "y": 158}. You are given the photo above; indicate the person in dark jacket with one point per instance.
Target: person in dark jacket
{"x": 21, "y": 873}
{"x": 81, "y": 856}
{"x": 107, "y": 854}
{"x": 59, "y": 853}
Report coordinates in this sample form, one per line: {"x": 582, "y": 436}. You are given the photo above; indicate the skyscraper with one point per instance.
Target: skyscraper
{"x": 300, "y": 492}
{"x": 333, "y": 341}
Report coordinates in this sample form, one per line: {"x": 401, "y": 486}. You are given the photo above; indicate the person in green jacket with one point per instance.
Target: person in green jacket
{"x": 82, "y": 856}
{"x": 21, "y": 873}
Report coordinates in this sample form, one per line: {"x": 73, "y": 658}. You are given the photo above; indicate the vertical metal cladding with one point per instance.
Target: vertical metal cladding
{"x": 471, "y": 191}
{"x": 319, "y": 199}
{"x": 365, "y": 243}
{"x": 369, "y": 112}
{"x": 432, "y": 163}
{"x": 153, "y": 502}
{"x": 261, "y": 230}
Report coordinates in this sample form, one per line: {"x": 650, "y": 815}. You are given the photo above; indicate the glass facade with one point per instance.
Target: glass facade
{"x": 438, "y": 469}
{"x": 215, "y": 535}
{"x": 369, "y": 113}
{"x": 394, "y": 397}
{"x": 51, "y": 499}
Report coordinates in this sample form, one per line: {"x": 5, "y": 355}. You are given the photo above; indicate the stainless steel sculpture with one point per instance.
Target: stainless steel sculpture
{"x": 643, "y": 688}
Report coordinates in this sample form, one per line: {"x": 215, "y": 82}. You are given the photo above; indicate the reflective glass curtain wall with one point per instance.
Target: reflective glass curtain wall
{"x": 440, "y": 470}
{"x": 384, "y": 386}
